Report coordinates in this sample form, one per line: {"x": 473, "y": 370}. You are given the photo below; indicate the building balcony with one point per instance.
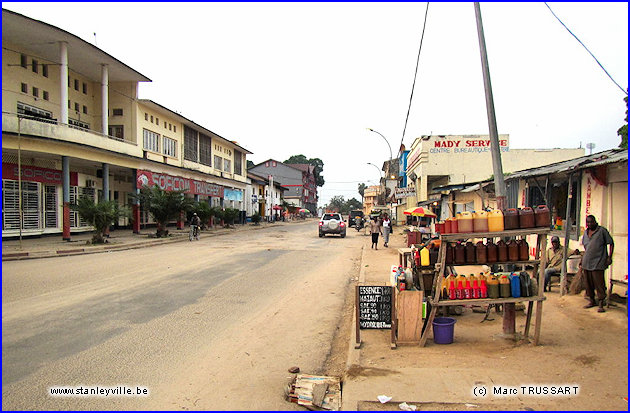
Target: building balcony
{"x": 40, "y": 127}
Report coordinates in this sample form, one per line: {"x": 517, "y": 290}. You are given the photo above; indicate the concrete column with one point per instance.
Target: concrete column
{"x": 105, "y": 99}
{"x": 136, "y": 205}
{"x": 105, "y": 182}
{"x": 65, "y": 171}
{"x": 63, "y": 84}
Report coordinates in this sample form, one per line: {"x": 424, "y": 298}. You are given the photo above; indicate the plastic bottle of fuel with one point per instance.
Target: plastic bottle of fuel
{"x": 474, "y": 284}
{"x": 444, "y": 287}
{"x": 493, "y": 286}
{"x": 452, "y": 295}
{"x": 459, "y": 292}
{"x": 483, "y": 289}
{"x": 467, "y": 290}
{"x": 505, "y": 286}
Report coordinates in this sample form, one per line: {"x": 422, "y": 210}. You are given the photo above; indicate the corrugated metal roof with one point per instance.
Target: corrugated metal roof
{"x": 600, "y": 158}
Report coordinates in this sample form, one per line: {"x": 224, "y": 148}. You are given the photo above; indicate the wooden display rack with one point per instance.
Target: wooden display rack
{"x": 539, "y": 264}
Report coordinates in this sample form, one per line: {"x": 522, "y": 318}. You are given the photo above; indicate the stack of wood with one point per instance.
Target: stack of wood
{"x": 315, "y": 392}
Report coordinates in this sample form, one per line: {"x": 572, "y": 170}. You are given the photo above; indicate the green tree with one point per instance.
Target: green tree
{"x": 362, "y": 188}
{"x": 100, "y": 215}
{"x": 623, "y": 131}
{"x": 352, "y": 204}
{"x": 164, "y": 206}
{"x": 217, "y": 212}
{"x": 316, "y": 162}
{"x": 230, "y": 215}
{"x": 336, "y": 203}
{"x": 203, "y": 210}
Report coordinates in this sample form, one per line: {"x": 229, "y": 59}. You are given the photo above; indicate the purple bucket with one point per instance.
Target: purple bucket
{"x": 443, "y": 329}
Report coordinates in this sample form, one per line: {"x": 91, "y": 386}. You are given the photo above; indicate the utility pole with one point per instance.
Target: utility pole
{"x": 497, "y": 167}
{"x": 509, "y": 309}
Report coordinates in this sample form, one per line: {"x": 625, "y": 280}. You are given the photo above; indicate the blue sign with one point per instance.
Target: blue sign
{"x": 232, "y": 194}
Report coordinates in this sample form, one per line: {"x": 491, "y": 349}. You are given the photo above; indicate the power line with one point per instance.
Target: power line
{"x": 589, "y": 52}
{"x": 426, "y": 12}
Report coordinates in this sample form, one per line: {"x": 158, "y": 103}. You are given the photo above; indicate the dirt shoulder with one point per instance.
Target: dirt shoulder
{"x": 578, "y": 347}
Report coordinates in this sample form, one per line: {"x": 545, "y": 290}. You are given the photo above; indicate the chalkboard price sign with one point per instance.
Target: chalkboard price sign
{"x": 375, "y": 306}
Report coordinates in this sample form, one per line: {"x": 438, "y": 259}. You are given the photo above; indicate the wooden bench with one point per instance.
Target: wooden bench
{"x": 622, "y": 283}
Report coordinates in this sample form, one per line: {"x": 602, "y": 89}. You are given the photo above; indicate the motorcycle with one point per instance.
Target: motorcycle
{"x": 358, "y": 223}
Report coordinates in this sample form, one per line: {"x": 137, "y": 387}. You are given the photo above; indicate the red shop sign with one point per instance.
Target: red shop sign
{"x": 177, "y": 183}
{"x": 37, "y": 174}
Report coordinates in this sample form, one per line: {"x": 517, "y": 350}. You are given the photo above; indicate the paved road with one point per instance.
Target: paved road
{"x": 213, "y": 324}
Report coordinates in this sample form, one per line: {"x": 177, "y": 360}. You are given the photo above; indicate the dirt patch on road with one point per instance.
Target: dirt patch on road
{"x": 358, "y": 371}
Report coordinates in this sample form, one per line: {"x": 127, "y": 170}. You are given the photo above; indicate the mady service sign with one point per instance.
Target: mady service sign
{"x": 465, "y": 144}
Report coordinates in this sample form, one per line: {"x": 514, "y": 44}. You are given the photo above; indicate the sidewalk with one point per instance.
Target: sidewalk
{"x": 442, "y": 377}
{"x": 121, "y": 239}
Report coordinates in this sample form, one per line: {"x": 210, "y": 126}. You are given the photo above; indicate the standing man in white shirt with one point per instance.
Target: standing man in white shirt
{"x": 387, "y": 228}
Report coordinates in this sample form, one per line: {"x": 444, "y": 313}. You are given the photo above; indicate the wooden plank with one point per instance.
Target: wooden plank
{"x": 425, "y": 333}
{"x": 409, "y": 316}
{"x": 508, "y": 233}
{"x": 530, "y": 307}
{"x": 538, "y": 322}
{"x": 528, "y": 262}
{"x": 541, "y": 252}
{"x": 392, "y": 344}
{"x": 358, "y": 328}
{"x": 319, "y": 392}
{"x": 541, "y": 276}
{"x": 488, "y": 301}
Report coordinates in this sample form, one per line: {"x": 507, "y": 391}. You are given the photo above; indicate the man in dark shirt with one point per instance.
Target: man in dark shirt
{"x": 597, "y": 257}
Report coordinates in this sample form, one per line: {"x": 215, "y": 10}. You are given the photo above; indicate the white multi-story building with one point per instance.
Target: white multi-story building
{"x": 72, "y": 125}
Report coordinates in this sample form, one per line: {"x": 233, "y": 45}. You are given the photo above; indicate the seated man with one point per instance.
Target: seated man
{"x": 555, "y": 256}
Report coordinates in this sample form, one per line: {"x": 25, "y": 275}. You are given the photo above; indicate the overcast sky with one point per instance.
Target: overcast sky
{"x": 309, "y": 78}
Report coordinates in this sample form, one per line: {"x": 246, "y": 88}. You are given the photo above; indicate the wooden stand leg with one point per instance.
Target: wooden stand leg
{"x": 425, "y": 333}
{"x": 357, "y": 344}
{"x": 394, "y": 320}
{"x": 509, "y": 318}
{"x": 530, "y": 307}
{"x": 538, "y": 322}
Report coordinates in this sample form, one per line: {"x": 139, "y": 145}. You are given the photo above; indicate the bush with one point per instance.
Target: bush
{"x": 256, "y": 218}
{"x": 229, "y": 215}
{"x": 100, "y": 215}
{"x": 204, "y": 212}
{"x": 163, "y": 205}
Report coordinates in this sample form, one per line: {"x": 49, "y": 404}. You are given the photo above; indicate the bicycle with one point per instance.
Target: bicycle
{"x": 194, "y": 233}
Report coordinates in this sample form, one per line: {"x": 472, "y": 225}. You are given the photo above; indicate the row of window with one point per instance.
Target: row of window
{"x": 76, "y": 85}
{"x": 77, "y": 107}
{"x": 35, "y": 68}
{"x": 46, "y": 96}
{"x": 34, "y": 65}
{"x": 220, "y": 162}
{"x": 157, "y": 122}
{"x": 35, "y": 91}
{"x": 151, "y": 142}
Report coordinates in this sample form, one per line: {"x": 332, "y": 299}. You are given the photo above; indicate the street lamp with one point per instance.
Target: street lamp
{"x": 379, "y": 169}
{"x": 388, "y": 145}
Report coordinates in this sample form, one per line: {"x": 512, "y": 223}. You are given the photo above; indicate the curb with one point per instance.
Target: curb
{"x": 30, "y": 255}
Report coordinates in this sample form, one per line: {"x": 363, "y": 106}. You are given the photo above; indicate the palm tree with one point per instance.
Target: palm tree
{"x": 164, "y": 206}
{"x": 229, "y": 215}
{"x": 204, "y": 212}
{"x": 361, "y": 190}
{"x": 100, "y": 215}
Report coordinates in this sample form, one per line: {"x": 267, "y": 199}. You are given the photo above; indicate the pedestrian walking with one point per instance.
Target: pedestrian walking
{"x": 375, "y": 230}
{"x": 598, "y": 251}
{"x": 387, "y": 229}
